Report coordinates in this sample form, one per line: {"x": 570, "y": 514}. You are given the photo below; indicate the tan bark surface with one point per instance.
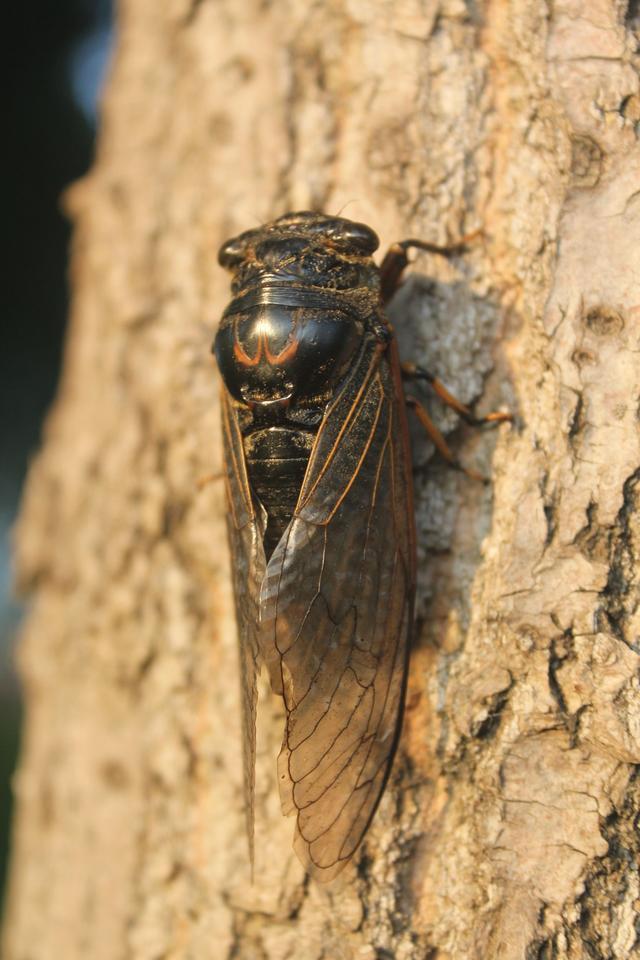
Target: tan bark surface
{"x": 509, "y": 829}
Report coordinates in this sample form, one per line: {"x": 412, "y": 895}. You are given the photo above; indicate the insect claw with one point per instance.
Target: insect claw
{"x": 490, "y": 420}
{"x": 208, "y": 478}
{"x": 474, "y": 474}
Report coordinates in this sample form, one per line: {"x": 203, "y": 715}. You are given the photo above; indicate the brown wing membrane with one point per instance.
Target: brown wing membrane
{"x": 336, "y": 609}
{"x": 245, "y": 525}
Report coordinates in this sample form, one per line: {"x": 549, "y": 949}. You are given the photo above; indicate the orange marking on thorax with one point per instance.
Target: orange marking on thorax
{"x": 277, "y": 359}
{"x": 280, "y": 358}
{"x": 243, "y": 357}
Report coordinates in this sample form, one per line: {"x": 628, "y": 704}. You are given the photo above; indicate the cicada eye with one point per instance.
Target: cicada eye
{"x": 234, "y": 251}
{"x": 348, "y": 235}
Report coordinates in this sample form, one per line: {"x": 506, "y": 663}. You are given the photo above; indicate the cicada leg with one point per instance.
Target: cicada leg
{"x": 208, "y": 478}
{"x": 439, "y": 441}
{"x": 412, "y": 372}
{"x": 391, "y": 270}
{"x": 396, "y": 259}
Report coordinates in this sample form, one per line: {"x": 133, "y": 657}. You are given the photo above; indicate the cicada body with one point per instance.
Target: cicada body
{"x": 320, "y": 520}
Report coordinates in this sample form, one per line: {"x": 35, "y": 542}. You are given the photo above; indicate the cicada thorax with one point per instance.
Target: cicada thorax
{"x": 297, "y": 321}
{"x": 274, "y": 352}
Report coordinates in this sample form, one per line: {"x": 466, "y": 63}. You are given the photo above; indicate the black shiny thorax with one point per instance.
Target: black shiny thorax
{"x": 294, "y": 351}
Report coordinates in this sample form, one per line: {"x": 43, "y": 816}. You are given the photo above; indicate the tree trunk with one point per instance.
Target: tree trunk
{"x": 509, "y": 827}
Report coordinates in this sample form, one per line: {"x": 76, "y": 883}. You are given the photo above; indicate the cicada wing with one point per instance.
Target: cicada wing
{"x": 337, "y": 608}
{"x": 245, "y": 525}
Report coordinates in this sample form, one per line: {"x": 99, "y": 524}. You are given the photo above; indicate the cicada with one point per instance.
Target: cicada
{"x": 320, "y": 514}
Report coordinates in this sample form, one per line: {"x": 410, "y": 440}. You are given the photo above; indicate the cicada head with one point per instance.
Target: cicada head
{"x": 306, "y": 248}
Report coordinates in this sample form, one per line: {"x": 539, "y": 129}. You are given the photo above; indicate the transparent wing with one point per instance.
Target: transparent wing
{"x": 245, "y": 525}
{"x": 336, "y": 611}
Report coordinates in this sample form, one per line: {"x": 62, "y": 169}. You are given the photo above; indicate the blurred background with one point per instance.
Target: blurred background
{"x": 55, "y": 57}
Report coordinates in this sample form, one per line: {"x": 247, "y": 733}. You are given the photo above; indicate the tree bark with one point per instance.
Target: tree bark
{"x": 509, "y": 827}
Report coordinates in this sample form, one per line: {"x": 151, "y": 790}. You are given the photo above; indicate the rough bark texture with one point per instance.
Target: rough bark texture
{"x": 509, "y": 829}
